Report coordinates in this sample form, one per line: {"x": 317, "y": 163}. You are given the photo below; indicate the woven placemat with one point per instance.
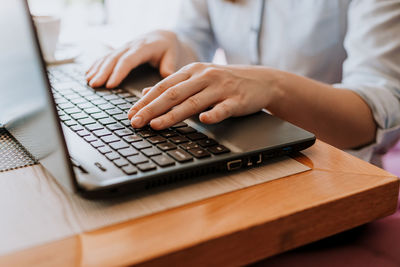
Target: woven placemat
{"x": 12, "y": 154}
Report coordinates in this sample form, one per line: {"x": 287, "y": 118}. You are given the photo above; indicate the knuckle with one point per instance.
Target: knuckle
{"x": 211, "y": 72}
{"x": 194, "y": 66}
{"x": 148, "y": 112}
{"x": 160, "y": 88}
{"x": 172, "y": 94}
{"x": 193, "y": 103}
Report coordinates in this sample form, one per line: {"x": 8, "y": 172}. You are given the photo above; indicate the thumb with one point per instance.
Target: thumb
{"x": 168, "y": 63}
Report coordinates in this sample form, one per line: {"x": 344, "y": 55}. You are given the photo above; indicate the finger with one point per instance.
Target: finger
{"x": 130, "y": 60}
{"x": 157, "y": 90}
{"x": 218, "y": 113}
{"x": 106, "y": 68}
{"x": 145, "y": 90}
{"x": 95, "y": 69}
{"x": 192, "y": 105}
{"x": 168, "y": 63}
{"x": 162, "y": 104}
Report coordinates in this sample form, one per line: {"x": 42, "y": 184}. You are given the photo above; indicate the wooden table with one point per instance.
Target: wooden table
{"x": 340, "y": 192}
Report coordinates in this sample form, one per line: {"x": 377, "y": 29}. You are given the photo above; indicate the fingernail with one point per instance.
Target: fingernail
{"x": 137, "y": 121}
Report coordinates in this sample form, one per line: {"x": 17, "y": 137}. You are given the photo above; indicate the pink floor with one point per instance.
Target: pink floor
{"x": 391, "y": 161}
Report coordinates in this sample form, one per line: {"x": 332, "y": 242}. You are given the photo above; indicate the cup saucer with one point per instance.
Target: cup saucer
{"x": 64, "y": 54}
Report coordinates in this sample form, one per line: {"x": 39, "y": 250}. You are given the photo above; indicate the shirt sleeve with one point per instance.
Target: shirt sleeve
{"x": 372, "y": 67}
{"x": 194, "y": 29}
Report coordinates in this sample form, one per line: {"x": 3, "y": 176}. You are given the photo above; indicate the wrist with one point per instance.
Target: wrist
{"x": 275, "y": 88}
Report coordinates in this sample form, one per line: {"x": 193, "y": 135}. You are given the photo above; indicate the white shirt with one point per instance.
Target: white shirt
{"x": 351, "y": 44}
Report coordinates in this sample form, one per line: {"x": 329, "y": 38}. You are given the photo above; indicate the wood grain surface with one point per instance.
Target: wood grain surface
{"x": 240, "y": 227}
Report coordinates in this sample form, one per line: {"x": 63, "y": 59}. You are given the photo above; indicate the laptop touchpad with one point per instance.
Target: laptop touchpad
{"x": 251, "y": 133}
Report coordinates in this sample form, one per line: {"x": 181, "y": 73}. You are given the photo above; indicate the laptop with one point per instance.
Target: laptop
{"x": 83, "y": 138}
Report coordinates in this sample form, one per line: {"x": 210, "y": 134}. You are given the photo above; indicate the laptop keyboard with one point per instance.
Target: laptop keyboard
{"x": 100, "y": 118}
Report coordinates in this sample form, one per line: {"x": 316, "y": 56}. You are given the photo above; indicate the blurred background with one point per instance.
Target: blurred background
{"x": 112, "y": 22}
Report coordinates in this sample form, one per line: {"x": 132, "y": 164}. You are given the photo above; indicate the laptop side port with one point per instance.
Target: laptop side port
{"x": 254, "y": 160}
{"x": 234, "y": 165}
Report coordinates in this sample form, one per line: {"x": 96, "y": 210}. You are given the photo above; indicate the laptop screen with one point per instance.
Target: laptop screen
{"x": 26, "y": 106}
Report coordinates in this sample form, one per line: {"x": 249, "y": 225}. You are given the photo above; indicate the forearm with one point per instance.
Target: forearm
{"x": 337, "y": 116}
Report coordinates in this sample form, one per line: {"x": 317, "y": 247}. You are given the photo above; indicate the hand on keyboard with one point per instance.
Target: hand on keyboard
{"x": 159, "y": 48}
{"x": 229, "y": 90}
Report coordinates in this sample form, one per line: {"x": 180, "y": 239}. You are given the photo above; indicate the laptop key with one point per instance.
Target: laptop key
{"x": 101, "y": 132}
{"x": 97, "y": 144}
{"x": 125, "y": 106}
{"x": 207, "y": 142}
{"x": 77, "y": 128}
{"x": 156, "y": 139}
{"x": 166, "y": 146}
{"x": 126, "y": 152}
{"x": 186, "y": 130}
{"x": 148, "y": 166}
{"x": 90, "y": 138}
{"x": 168, "y": 133}
{"x": 118, "y": 145}
{"x": 129, "y": 169}
{"x": 106, "y": 121}
{"x": 199, "y": 152}
{"x": 64, "y": 117}
{"x": 178, "y": 139}
{"x": 163, "y": 160}
{"x": 180, "y": 155}
{"x": 94, "y": 126}
{"x": 132, "y": 99}
{"x": 66, "y": 105}
{"x": 86, "y": 121}
{"x": 118, "y": 101}
{"x": 137, "y": 159}
{"x": 109, "y": 139}
{"x": 112, "y": 155}
{"x": 121, "y": 162}
{"x": 179, "y": 125}
{"x": 152, "y": 151}
{"x": 189, "y": 145}
{"x": 103, "y": 92}
{"x": 115, "y": 126}
{"x": 79, "y": 100}
{"x": 92, "y": 110}
{"x": 125, "y": 94}
{"x": 120, "y": 117}
{"x": 99, "y": 116}
{"x": 141, "y": 144}
{"x": 113, "y": 111}
{"x": 97, "y": 101}
{"x": 147, "y": 133}
{"x": 83, "y": 133}
{"x": 110, "y": 97}
{"x": 70, "y": 123}
{"x": 123, "y": 132}
{"x": 106, "y": 106}
{"x": 126, "y": 122}
{"x": 78, "y": 116}
{"x": 104, "y": 149}
{"x": 85, "y": 105}
{"x": 132, "y": 138}
{"x": 218, "y": 149}
{"x": 196, "y": 136}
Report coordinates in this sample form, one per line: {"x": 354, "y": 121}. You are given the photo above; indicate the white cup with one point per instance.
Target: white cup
{"x": 48, "y": 30}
